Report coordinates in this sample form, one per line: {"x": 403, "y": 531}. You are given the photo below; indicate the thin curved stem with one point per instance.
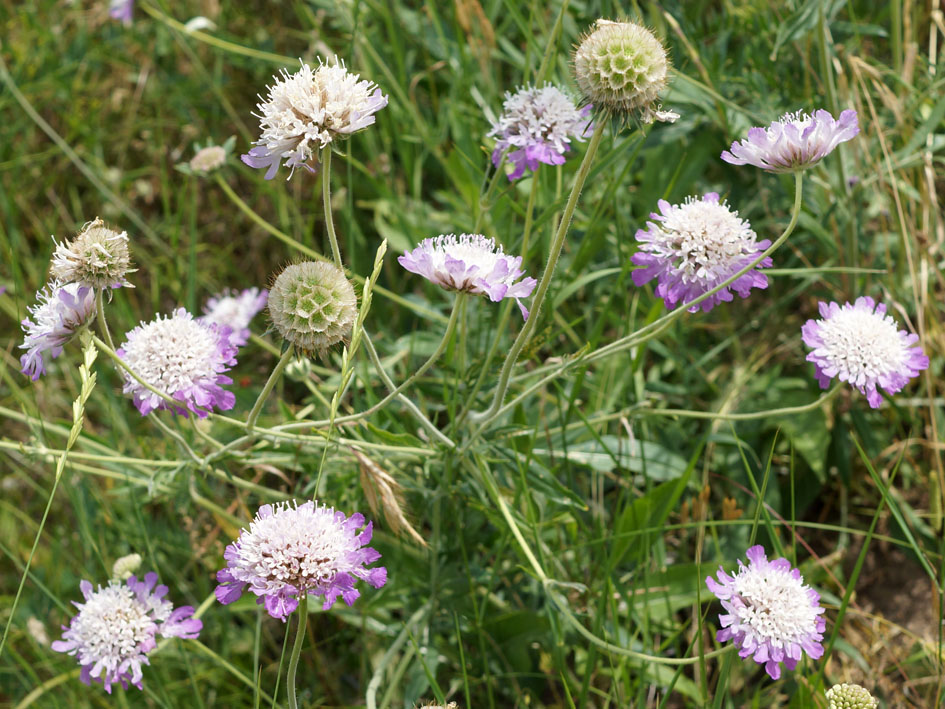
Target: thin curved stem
{"x": 326, "y": 203}
{"x": 270, "y": 384}
{"x": 296, "y": 651}
{"x": 102, "y": 323}
{"x": 684, "y": 413}
{"x": 557, "y": 243}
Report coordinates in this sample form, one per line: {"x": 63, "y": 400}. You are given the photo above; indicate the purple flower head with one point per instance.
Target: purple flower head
{"x": 182, "y": 357}
{"x": 793, "y": 142}
{"x": 121, "y": 10}
{"x": 861, "y": 344}
{"x": 291, "y": 551}
{"x": 772, "y": 615}
{"x": 536, "y": 126}
{"x": 470, "y": 263}
{"x": 116, "y": 626}
{"x": 307, "y": 110}
{"x": 235, "y": 310}
{"x": 692, "y": 247}
{"x": 60, "y": 312}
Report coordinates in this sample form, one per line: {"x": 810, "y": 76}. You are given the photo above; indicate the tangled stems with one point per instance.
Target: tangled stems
{"x": 296, "y": 651}
{"x": 326, "y": 203}
{"x": 557, "y": 243}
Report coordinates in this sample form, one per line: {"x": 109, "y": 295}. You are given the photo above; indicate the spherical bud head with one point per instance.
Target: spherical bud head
{"x": 850, "y": 696}
{"x": 620, "y": 66}
{"x": 313, "y": 305}
{"x": 97, "y": 257}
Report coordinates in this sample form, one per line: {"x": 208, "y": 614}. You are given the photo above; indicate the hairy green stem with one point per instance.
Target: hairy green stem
{"x": 557, "y": 243}
{"x": 100, "y": 313}
{"x": 326, "y": 203}
{"x": 270, "y": 383}
{"x": 296, "y": 651}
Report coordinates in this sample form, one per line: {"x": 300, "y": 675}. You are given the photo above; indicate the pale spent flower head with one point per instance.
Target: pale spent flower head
{"x": 116, "y": 627}
{"x": 691, "y": 248}
{"x": 313, "y": 305}
{"x": 620, "y": 66}
{"x": 208, "y": 159}
{"x": 235, "y": 310}
{"x": 862, "y": 345}
{"x": 536, "y": 126}
{"x": 850, "y": 696}
{"x": 470, "y": 263}
{"x": 37, "y": 630}
{"x": 55, "y": 319}
{"x": 97, "y": 257}
{"x": 125, "y": 566}
{"x": 291, "y": 550}
{"x": 309, "y": 109}
{"x": 183, "y": 358}
{"x": 793, "y": 142}
{"x": 772, "y": 615}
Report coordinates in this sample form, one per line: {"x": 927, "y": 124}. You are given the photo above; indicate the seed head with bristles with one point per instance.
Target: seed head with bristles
{"x": 313, "y": 305}
{"x": 621, "y": 67}
{"x": 97, "y": 257}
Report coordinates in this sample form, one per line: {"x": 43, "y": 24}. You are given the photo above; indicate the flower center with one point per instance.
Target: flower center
{"x": 862, "y": 343}
{"x": 706, "y": 240}
{"x": 777, "y": 606}
{"x": 172, "y": 354}
{"x": 113, "y": 623}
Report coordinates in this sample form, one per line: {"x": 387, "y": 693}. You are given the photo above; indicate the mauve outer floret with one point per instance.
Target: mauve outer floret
{"x": 235, "y": 310}
{"x": 293, "y": 550}
{"x": 859, "y": 343}
{"x": 53, "y": 321}
{"x": 536, "y": 126}
{"x": 307, "y": 110}
{"x": 183, "y": 358}
{"x": 772, "y": 615}
{"x": 693, "y": 247}
{"x": 470, "y": 263}
{"x": 116, "y": 626}
{"x": 793, "y": 142}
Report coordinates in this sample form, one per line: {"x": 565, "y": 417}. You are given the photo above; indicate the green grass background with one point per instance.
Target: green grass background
{"x": 628, "y": 508}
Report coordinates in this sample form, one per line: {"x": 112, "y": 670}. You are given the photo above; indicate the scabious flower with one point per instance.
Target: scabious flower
{"x": 183, "y": 358}
{"x": 115, "y": 629}
{"x": 97, "y": 257}
{"x": 291, "y": 551}
{"x": 307, "y": 110}
{"x": 536, "y": 126}
{"x": 235, "y": 310}
{"x": 850, "y": 696}
{"x": 861, "y": 344}
{"x": 312, "y": 305}
{"x": 60, "y": 312}
{"x": 208, "y": 159}
{"x": 121, "y": 10}
{"x": 692, "y": 247}
{"x": 773, "y": 616}
{"x": 470, "y": 263}
{"x": 621, "y": 66}
{"x": 793, "y": 142}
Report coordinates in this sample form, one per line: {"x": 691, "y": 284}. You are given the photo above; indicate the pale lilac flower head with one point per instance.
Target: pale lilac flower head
{"x": 470, "y": 263}
{"x": 307, "y": 110}
{"x": 121, "y": 10}
{"x": 861, "y": 344}
{"x": 235, "y": 310}
{"x": 536, "y": 126}
{"x": 773, "y": 616}
{"x": 691, "y": 248}
{"x": 116, "y": 627}
{"x": 183, "y": 358}
{"x": 55, "y": 319}
{"x": 295, "y": 550}
{"x": 793, "y": 142}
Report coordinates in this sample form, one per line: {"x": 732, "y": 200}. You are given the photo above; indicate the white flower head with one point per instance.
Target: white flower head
{"x": 309, "y": 109}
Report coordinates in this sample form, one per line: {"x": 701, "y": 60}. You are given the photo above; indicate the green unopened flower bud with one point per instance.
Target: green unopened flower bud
{"x": 97, "y": 257}
{"x": 850, "y": 696}
{"x": 313, "y": 305}
{"x": 125, "y": 566}
{"x": 620, "y": 66}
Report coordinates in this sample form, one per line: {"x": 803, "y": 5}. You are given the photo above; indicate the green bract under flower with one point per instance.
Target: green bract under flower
{"x": 620, "y": 66}
{"x": 313, "y": 305}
